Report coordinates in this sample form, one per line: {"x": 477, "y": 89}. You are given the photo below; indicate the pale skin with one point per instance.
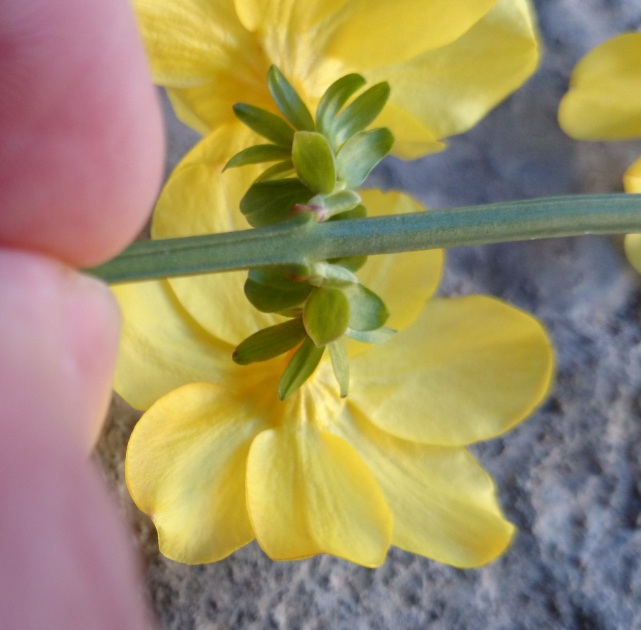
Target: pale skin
{"x": 81, "y": 153}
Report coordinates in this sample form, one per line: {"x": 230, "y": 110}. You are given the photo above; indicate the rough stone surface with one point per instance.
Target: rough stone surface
{"x": 570, "y": 477}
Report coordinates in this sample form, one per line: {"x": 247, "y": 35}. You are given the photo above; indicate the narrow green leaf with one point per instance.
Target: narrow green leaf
{"x": 265, "y": 123}
{"x": 325, "y": 315}
{"x": 282, "y": 170}
{"x": 361, "y": 153}
{"x": 324, "y": 274}
{"x": 340, "y": 365}
{"x": 270, "y": 202}
{"x": 371, "y": 336}
{"x": 359, "y": 212}
{"x": 299, "y": 369}
{"x": 284, "y": 277}
{"x": 257, "y": 154}
{"x": 270, "y": 342}
{"x": 352, "y": 263}
{"x": 338, "y": 202}
{"x": 314, "y": 161}
{"x": 367, "y": 310}
{"x": 334, "y": 98}
{"x": 361, "y": 112}
{"x": 288, "y": 101}
{"x": 271, "y": 292}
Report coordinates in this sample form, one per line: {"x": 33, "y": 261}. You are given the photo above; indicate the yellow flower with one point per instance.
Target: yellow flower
{"x": 604, "y": 103}
{"x": 448, "y": 62}
{"x": 217, "y": 460}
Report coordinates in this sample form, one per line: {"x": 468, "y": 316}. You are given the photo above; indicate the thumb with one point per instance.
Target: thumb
{"x": 65, "y": 560}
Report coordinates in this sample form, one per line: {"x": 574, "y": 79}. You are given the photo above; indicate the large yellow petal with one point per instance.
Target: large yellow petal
{"x": 604, "y": 100}
{"x": 404, "y": 281}
{"x": 200, "y": 199}
{"x": 443, "y": 503}
{"x": 632, "y": 178}
{"x": 412, "y": 139}
{"x": 191, "y": 42}
{"x": 162, "y": 347}
{"x": 468, "y": 369}
{"x": 294, "y": 17}
{"x": 185, "y": 468}
{"x": 632, "y": 184}
{"x": 371, "y": 33}
{"x": 309, "y": 492}
{"x": 450, "y": 89}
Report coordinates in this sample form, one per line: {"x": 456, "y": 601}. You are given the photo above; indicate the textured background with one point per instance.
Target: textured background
{"x": 570, "y": 477}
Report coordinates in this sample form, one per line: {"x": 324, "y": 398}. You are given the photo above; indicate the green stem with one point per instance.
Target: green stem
{"x": 303, "y": 240}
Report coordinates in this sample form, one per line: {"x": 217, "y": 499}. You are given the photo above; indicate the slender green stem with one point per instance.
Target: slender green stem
{"x": 303, "y": 240}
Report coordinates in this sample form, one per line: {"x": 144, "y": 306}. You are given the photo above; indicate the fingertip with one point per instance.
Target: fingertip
{"x": 82, "y": 152}
{"x": 58, "y": 344}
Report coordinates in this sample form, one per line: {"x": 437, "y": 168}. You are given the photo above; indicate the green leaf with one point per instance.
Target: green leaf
{"x": 324, "y": 274}
{"x": 326, "y": 315}
{"x": 361, "y": 153}
{"x": 359, "y": 212}
{"x": 361, "y": 112}
{"x": 265, "y": 123}
{"x": 270, "y": 342}
{"x": 380, "y": 335}
{"x": 288, "y": 101}
{"x": 282, "y": 170}
{"x": 270, "y": 202}
{"x": 340, "y": 365}
{"x": 367, "y": 310}
{"x": 334, "y": 98}
{"x": 299, "y": 369}
{"x": 271, "y": 292}
{"x": 336, "y": 203}
{"x": 314, "y": 161}
{"x": 257, "y": 154}
{"x": 352, "y": 263}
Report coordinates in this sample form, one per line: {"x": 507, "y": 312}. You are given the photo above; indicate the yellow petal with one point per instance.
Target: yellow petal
{"x": 292, "y": 16}
{"x": 161, "y": 347}
{"x": 451, "y": 88}
{"x": 404, "y": 281}
{"x": 191, "y": 42}
{"x": 200, "y": 199}
{"x": 412, "y": 139}
{"x": 632, "y": 184}
{"x": 468, "y": 369}
{"x": 633, "y": 250}
{"x": 309, "y": 492}
{"x": 370, "y": 33}
{"x": 604, "y": 100}
{"x": 185, "y": 468}
{"x": 443, "y": 503}
{"x": 632, "y": 178}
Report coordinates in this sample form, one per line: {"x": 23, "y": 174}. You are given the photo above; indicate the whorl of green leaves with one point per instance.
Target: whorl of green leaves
{"x": 315, "y": 163}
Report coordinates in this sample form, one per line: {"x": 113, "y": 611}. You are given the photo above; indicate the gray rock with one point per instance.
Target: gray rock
{"x": 569, "y": 477}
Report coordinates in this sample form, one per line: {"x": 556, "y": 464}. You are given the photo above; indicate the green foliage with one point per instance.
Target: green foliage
{"x": 326, "y": 315}
{"x": 361, "y": 153}
{"x": 314, "y": 161}
{"x": 272, "y": 201}
{"x": 299, "y": 369}
{"x": 287, "y": 100}
{"x": 318, "y": 164}
{"x": 270, "y": 342}
{"x": 337, "y": 94}
{"x": 265, "y": 124}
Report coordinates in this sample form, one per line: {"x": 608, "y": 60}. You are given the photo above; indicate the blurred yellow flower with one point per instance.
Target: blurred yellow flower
{"x": 604, "y": 103}
{"x": 448, "y": 62}
{"x": 217, "y": 460}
